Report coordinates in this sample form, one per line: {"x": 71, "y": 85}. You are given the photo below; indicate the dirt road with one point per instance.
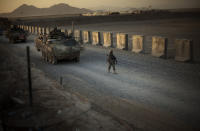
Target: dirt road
{"x": 150, "y": 93}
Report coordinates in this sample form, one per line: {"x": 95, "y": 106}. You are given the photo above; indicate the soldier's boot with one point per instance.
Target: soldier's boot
{"x": 114, "y": 71}
{"x": 109, "y": 68}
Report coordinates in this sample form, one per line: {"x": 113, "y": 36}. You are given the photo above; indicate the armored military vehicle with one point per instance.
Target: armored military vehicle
{"x": 16, "y": 34}
{"x": 54, "y": 50}
{"x": 57, "y": 46}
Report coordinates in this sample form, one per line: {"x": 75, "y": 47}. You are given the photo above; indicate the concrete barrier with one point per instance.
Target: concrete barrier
{"x": 51, "y": 29}
{"x": 43, "y": 30}
{"x": 62, "y": 30}
{"x": 183, "y": 50}
{"x": 77, "y": 35}
{"x": 159, "y": 46}
{"x": 33, "y": 29}
{"x": 122, "y": 41}
{"x": 47, "y": 30}
{"x": 107, "y": 39}
{"x": 86, "y": 37}
{"x": 39, "y": 30}
{"x": 69, "y": 32}
{"x": 96, "y": 38}
{"x": 29, "y": 29}
{"x": 137, "y": 43}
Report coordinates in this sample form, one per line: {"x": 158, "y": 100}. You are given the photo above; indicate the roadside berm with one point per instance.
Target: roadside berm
{"x": 53, "y": 108}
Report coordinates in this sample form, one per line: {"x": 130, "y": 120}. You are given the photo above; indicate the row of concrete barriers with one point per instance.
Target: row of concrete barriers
{"x": 183, "y": 47}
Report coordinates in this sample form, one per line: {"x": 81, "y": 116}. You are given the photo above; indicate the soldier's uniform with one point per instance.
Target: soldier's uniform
{"x": 112, "y": 60}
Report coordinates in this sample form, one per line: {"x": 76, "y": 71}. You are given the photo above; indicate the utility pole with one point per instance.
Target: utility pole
{"x": 29, "y": 76}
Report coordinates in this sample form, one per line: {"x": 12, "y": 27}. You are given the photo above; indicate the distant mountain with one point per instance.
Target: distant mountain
{"x": 59, "y": 9}
{"x": 110, "y": 8}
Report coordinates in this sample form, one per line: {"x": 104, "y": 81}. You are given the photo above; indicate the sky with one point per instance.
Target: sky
{"x": 10, "y": 5}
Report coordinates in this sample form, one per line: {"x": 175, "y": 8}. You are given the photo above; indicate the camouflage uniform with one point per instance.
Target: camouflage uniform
{"x": 111, "y": 61}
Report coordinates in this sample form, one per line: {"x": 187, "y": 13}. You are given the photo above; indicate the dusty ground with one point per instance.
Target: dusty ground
{"x": 53, "y": 107}
{"x": 149, "y": 93}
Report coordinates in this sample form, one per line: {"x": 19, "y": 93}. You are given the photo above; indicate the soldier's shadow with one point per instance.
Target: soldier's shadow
{"x": 67, "y": 62}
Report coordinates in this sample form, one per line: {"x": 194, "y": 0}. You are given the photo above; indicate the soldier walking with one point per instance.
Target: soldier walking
{"x": 112, "y": 60}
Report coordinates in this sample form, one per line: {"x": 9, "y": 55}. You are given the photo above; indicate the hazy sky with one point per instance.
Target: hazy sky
{"x": 10, "y": 5}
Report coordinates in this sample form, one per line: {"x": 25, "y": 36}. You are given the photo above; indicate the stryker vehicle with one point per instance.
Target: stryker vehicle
{"x": 54, "y": 50}
{"x": 57, "y": 46}
{"x": 16, "y": 34}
